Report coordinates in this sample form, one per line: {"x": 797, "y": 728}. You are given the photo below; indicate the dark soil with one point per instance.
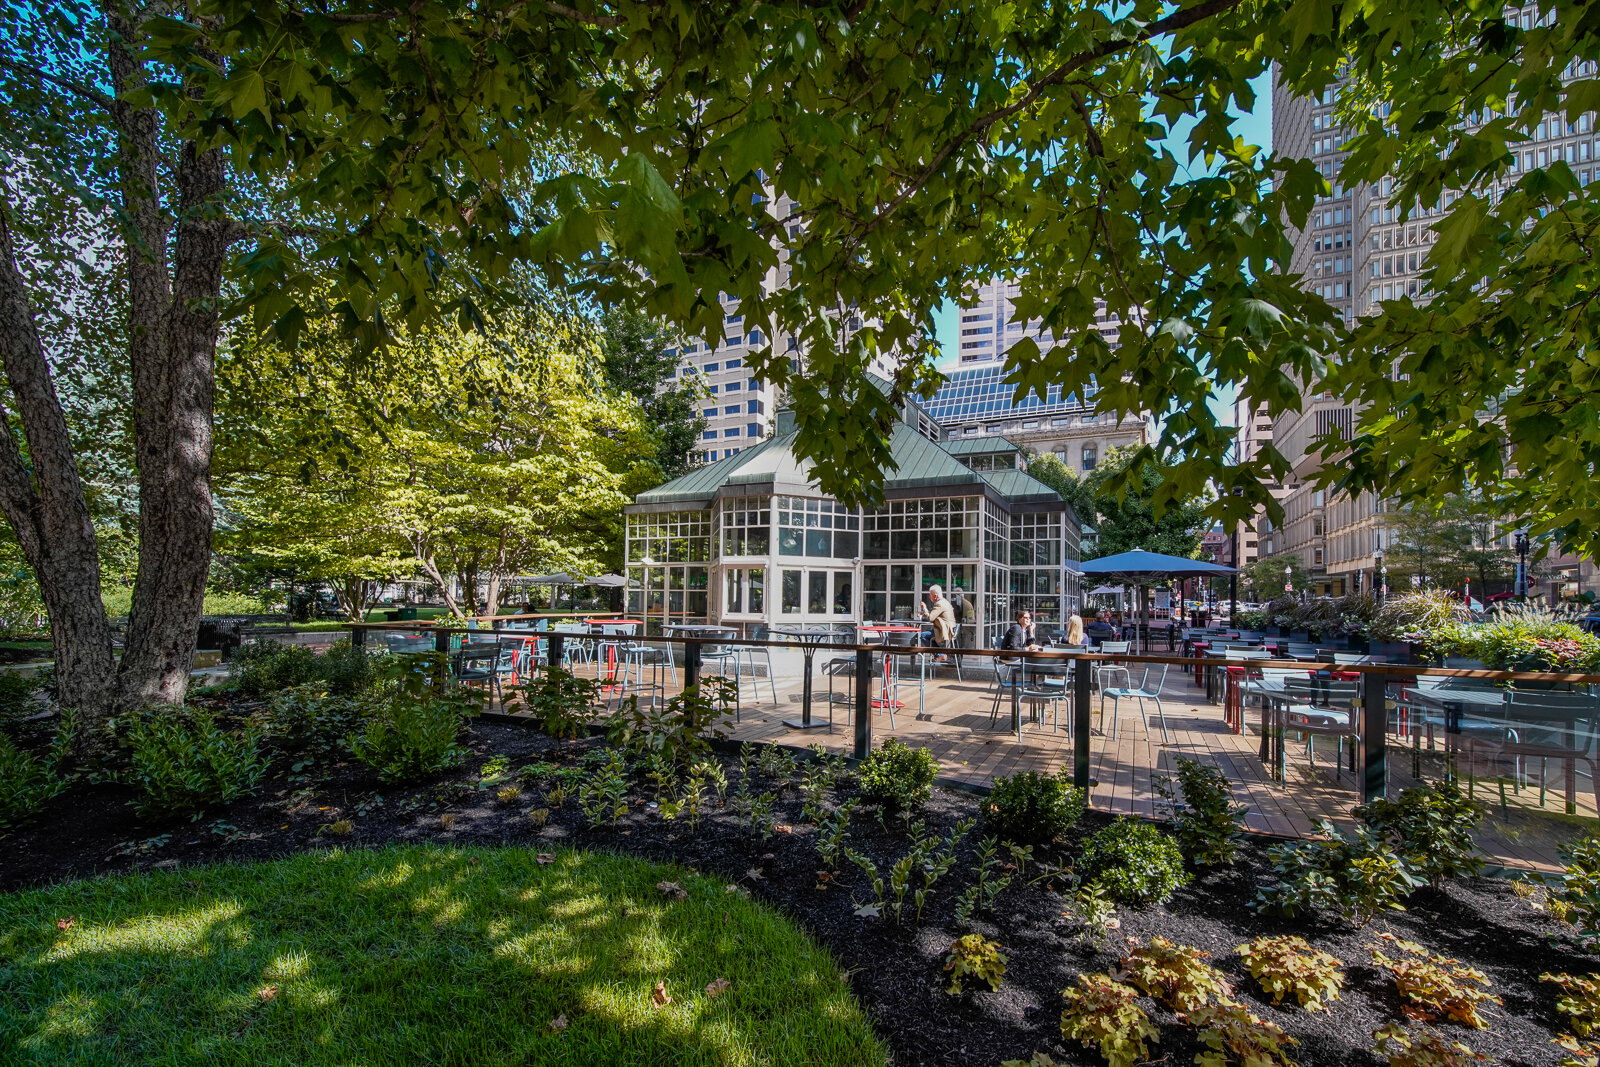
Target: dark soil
{"x": 895, "y": 970}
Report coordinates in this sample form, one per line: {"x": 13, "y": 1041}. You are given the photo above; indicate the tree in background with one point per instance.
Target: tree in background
{"x": 1445, "y": 544}
{"x": 1132, "y": 494}
{"x": 637, "y": 365}
{"x": 1265, "y": 579}
{"x": 1052, "y": 471}
{"x": 466, "y": 458}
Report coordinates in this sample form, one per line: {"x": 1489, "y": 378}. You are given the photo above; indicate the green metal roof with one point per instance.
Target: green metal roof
{"x": 987, "y": 445}
{"x": 916, "y": 463}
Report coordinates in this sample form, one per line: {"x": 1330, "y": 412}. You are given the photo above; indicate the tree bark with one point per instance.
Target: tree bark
{"x": 173, "y": 333}
{"x": 42, "y": 497}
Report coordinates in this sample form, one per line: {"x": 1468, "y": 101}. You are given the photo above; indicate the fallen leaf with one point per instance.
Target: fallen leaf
{"x": 267, "y": 992}
{"x": 869, "y": 911}
{"x": 672, "y": 890}
{"x": 559, "y": 1023}
{"x": 784, "y": 829}
{"x": 659, "y": 997}
{"x": 67, "y": 923}
{"x": 768, "y": 856}
{"x": 717, "y": 988}
{"x": 754, "y": 874}
{"x": 545, "y": 857}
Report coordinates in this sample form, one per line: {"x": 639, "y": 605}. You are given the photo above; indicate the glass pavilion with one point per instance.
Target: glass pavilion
{"x": 749, "y": 541}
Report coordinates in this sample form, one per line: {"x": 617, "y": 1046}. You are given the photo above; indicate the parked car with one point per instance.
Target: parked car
{"x": 1591, "y": 622}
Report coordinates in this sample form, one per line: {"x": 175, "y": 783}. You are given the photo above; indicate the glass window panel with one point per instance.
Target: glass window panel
{"x": 790, "y": 542}
{"x": 902, "y": 606}
{"x": 934, "y": 575}
{"x": 935, "y": 544}
{"x": 844, "y": 545}
{"x": 903, "y": 579}
{"x": 960, "y": 543}
{"x": 875, "y": 579}
{"x": 697, "y": 604}
{"x": 903, "y": 544}
{"x": 733, "y": 599}
{"x": 877, "y": 546}
{"x": 1021, "y": 553}
{"x": 874, "y": 606}
{"x": 791, "y": 592}
{"x": 819, "y": 543}
{"x": 756, "y": 590}
{"x": 817, "y": 601}
{"x": 843, "y": 592}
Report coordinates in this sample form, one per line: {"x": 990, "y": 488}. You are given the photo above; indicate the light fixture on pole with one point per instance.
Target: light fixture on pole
{"x": 1522, "y": 564}
{"x": 1382, "y": 576}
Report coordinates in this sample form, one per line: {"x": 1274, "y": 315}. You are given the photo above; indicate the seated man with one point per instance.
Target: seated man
{"x": 1096, "y": 629}
{"x": 941, "y": 617}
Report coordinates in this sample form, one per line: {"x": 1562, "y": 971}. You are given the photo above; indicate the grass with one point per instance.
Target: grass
{"x": 415, "y": 955}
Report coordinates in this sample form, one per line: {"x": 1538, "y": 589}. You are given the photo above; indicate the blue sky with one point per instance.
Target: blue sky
{"x": 1255, "y": 126}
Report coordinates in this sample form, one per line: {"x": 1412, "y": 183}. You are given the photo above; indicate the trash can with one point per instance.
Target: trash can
{"x": 407, "y": 614}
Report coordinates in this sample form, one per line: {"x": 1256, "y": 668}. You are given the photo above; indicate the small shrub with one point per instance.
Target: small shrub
{"x": 1580, "y": 1001}
{"x": 603, "y": 795}
{"x": 538, "y": 817}
{"x": 1579, "y": 1053}
{"x": 681, "y": 729}
{"x": 1436, "y": 986}
{"x": 339, "y": 828}
{"x": 1357, "y": 877}
{"x": 897, "y": 776}
{"x": 183, "y": 763}
{"x": 1134, "y": 862}
{"x": 988, "y": 879}
{"x": 561, "y": 702}
{"x": 1421, "y": 1047}
{"x": 1101, "y": 1014}
{"x": 508, "y": 794}
{"x": 412, "y": 726}
{"x": 267, "y": 666}
{"x": 1033, "y": 808}
{"x": 1289, "y": 965}
{"x": 1205, "y": 820}
{"x": 974, "y": 956}
{"x": 349, "y": 669}
{"x": 831, "y": 831}
{"x": 1578, "y": 899}
{"x": 16, "y": 696}
{"x": 28, "y": 780}
{"x": 1095, "y": 913}
{"x": 1431, "y": 828}
{"x": 927, "y": 857}
{"x": 1175, "y": 974}
{"x": 1039, "y": 1059}
{"x": 1232, "y": 1034}
{"x": 306, "y": 718}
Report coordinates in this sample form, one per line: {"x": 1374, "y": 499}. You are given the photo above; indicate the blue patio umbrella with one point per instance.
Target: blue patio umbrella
{"x": 1139, "y": 568}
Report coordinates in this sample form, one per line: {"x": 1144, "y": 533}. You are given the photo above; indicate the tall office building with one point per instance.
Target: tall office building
{"x": 739, "y": 406}
{"x": 1356, "y": 253}
{"x": 1253, "y": 429}
{"x": 987, "y": 330}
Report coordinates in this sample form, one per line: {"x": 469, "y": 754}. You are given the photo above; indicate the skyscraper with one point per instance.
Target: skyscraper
{"x": 987, "y": 330}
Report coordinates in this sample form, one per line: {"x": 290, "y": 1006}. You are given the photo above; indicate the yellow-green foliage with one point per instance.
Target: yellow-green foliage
{"x": 1439, "y": 987}
{"x": 1176, "y": 974}
{"x": 1579, "y": 1053}
{"x": 1422, "y": 1047}
{"x": 1102, "y": 1014}
{"x": 1288, "y": 964}
{"x": 1581, "y": 1003}
{"x": 1234, "y": 1035}
{"x": 974, "y": 956}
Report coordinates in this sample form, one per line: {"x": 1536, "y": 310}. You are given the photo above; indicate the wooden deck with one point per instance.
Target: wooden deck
{"x": 954, "y": 724}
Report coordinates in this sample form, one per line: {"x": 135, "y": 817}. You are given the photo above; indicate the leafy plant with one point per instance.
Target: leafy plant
{"x": 1101, "y": 1014}
{"x": 1579, "y": 895}
{"x": 777, "y": 763}
{"x": 926, "y": 857}
{"x": 1580, "y": 1053}
{"x": 1175, "y": 974}
{"x": 711, "y": 773}
{"x": 821, "y": 772}
{"x": 1436, "y": 986}
{"x": 1413, "y": 616}
{"x": 16, "y": 696}
{"x": 349, "y": 669}
{"x": 1580, "y": 1000}
{"x": 974, "y": 956}
{"x": 28, "y": 780}
{"x": 754, "y": 812}
{"x": 688, "y": 802}
{"x": 988, "y": 882}
{"x": 183, "y": 763}
{"x": 1134, "y": 862}
{"x": 1033, "y": 808}
{"x": 560, "y": 701}
{"x": 1357, "y": 877}
{"x": 1232, "y": 1034}
{"x": 1289, "y": 965}
{"x": 897, "y": 776}
{"x": 1421, "y": 1046}
{"x": 680, "y": 729}
{"x": 603, "y": 794}
{"x": 1205, "y": 821}
{"x": 306, "y": 717}
{"x": 831, "y": 831}
{"x": 1524, "y": 637}
{"x": 1431, "y": 828}
{"x": 935, "y": 864}
{"x": 1096, "y": 914}
{"x": 411, "y": 724}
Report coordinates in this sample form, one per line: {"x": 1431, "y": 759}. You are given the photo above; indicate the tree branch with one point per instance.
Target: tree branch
{"x": 94, "y": 96}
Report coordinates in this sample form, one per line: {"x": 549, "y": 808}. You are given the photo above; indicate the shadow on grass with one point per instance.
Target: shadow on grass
{"x": 416, "y": 955}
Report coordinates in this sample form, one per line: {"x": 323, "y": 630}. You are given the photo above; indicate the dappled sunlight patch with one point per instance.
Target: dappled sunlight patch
{"x": 182, "y": 932}
{"x": 74, "y": 1016}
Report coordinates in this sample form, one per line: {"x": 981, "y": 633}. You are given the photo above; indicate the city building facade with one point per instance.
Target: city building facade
{"x": 987, "y": 329}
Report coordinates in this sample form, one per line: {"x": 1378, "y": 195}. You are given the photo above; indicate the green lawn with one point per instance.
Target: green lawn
{"x": 415, "y": 955}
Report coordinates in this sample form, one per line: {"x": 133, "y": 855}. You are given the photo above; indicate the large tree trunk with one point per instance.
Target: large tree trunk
{"x": 42, "y": 498}
{"x": 173, "y": 332}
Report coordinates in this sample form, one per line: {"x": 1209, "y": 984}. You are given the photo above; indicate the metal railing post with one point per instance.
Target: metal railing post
{"x": 864, "y": 703}
{"x": 1081, "y": 724}
{"x": 691, "y": 664}
{"x": 358, "y": 637}
{"x": 1374, "y": 735}
{"x": 555, "y": 649}
{"x": 441, "y": 647}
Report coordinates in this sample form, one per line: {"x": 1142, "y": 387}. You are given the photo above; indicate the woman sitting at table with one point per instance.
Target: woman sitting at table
{"x": 1074, "y": 638}
{"x": 1019, "y": 635}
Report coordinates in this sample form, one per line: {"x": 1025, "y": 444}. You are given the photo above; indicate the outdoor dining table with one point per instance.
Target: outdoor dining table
{"x": 887, "y": 700}
{"x": 808, "y": 638}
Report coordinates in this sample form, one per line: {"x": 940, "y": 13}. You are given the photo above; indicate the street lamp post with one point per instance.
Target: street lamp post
{"x": 1522, "y": 564}
{"x": 1382, "y": 576}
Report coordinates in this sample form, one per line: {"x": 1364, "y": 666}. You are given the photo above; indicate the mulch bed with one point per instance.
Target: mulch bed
{"x": 895, "y": 971}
